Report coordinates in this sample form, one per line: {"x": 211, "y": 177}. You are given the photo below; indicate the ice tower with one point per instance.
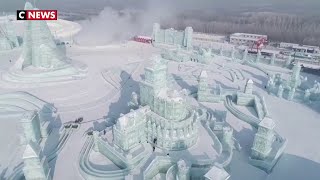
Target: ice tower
{"x": 295, "y": 80}
{"x": 170, "y": 121}
{"x": 35, "y": 163}
{"x": 203, "y": 86}
{"x": 263, "y": 140}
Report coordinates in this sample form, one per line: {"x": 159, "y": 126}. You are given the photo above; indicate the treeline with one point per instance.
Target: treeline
{"x": 279, "y": 27}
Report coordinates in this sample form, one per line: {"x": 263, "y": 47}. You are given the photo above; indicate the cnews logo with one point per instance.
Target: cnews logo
{"x": 37, "y": 14}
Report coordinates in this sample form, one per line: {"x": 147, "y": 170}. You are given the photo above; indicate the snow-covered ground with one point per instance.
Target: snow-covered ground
{"x": 97, "y": 97}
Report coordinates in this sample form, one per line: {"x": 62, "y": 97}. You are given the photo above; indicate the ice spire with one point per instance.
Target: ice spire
{"x": 39, "y": 48}
{"x": 35, "y": 163}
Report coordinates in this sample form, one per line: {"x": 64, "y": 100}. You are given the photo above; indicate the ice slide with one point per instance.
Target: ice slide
{"x": 253, "y": 121}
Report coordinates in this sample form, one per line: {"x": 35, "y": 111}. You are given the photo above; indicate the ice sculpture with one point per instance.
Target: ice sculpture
{"x": 200, "y": 55}
{"x": 246, "y": 98}
{"x": 233, "y": 51}
{"x": 35, "y": 163}
{"x": 285, "y": 88}
{"x": 263, "y": 140}
{"x": 249, "y": 87}
{"x": 217, "y": 173}
{"x": 245, "y": 55}
{"x": 267, "y": 147}
{"x": 33, "y": 129}
{"x": 129, "y": 124}
{"x": 165, "y": 122}
{"x": 295, "y": 79}
{"x": 258, "y": 57}
{"x": 183, "y": 170}
{"x": 313, "y": 93}
{"x": 206, "y": 93}
{"x": 280, "y": 91}
{"x": 273, "y": 58}
{"x": 161, "y": 106}
{"x": 175, "y": 55}
{"x": 166, "y": 105}
{"x": 221, "y": 51}
{"x": 8, "y": 37}
{"x": 41, "y": 60}
{"x": 203, "y": 86}
{"x": 5, "y": 44}
{"x": 39, "y": 48}
{"x": 134, "y": 103}
{"x": 227, "y": 136}
{"x": 172, "y": 37}
{"x": 288, "y": 61}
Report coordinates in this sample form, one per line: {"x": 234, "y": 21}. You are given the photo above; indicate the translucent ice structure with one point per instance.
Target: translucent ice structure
{"x": 41, "y": 60}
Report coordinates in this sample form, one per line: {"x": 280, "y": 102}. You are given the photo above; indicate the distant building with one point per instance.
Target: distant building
{"x": 287, "y": 45}
{"x": 300, "y": 48}
{"x": 245, "y": 38}
{"x": 207, "y": 38}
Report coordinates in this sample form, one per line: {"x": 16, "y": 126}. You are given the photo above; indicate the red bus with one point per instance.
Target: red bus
{"x": 143, "y": 39}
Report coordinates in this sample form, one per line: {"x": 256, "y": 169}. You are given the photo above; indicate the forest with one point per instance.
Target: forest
{"x": 279, "y": 27}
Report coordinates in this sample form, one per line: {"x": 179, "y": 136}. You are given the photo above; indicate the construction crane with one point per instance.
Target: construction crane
{"x": 259, "y": 44}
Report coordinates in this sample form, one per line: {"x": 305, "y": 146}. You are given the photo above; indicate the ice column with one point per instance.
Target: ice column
{"x": 233, "y": 51}
{"x": 221, "y": 51}
{"x": 288, "y": 61}
{"x": 291, "y": 94}
{"x": 188, "y": 37}
{"x": 280, "y": 91}
{"x": 295, "y": 80}
{"x": 156, "y": 29}
{"x": 245, "y": 55}
{"x": 258, "y": 56}
{"x": 227, "y": 136}
{"x": 273, "y": 58}
{"x": 134, "y": 103}
{"x": 307, "y": 95}
{"x": 263, "y": 140}
{"x": 203, "y": 85}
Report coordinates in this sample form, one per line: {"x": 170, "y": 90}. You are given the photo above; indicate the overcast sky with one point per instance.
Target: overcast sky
{"x": 306, "y": 6}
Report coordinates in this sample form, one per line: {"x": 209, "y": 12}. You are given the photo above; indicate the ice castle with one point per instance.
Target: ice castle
{"x": 165, "y": 117}
{"x": 172, "y": 37}
{"x": 170, "y": 120}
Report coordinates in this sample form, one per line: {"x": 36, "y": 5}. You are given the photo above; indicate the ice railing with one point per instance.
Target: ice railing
{"x": 239, "y": 55}
{"x": 89, "y": 172}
